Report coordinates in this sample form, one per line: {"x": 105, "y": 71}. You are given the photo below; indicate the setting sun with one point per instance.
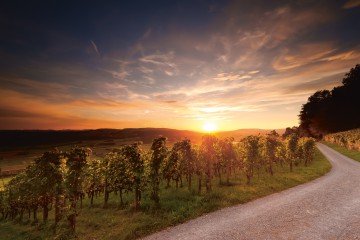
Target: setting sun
{"x": 209, "y": 127}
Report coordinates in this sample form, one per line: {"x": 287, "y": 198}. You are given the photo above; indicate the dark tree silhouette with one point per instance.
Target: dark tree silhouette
{"x": 335, "y": 110}
{"x": 289, "y": 131}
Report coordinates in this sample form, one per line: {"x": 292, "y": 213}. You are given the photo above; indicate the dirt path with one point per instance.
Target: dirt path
{"x": 326, "y": 208}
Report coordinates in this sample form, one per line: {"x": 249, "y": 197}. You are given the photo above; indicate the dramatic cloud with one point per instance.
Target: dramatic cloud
{"x": 238, "y": 63}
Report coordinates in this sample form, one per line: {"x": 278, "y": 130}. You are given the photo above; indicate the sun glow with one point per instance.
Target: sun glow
{"x": 209, "y": 127}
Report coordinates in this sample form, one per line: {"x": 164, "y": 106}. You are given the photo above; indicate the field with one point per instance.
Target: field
{"x": 347, "y": 139}
{"x": 177, "y": 205}
{"x": 347, "y": 143}
{"x": 19, "y": 148}
{"x": 15, "y": 160}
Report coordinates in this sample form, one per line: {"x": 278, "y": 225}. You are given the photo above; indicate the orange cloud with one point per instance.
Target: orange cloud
{"x": 305, "y": 54}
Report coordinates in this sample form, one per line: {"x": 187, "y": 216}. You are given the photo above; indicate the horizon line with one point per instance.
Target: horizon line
{"x": 89, "y": 129}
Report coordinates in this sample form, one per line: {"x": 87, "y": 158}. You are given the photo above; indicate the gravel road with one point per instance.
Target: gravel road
{"x": 326, "y": 208}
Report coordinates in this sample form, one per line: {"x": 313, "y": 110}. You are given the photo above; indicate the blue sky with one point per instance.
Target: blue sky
{"x": 176, "y": 64}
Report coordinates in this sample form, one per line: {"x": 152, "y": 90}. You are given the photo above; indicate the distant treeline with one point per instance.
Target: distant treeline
{"x": 29, "y": 138}
{"x": 333, "y": 111}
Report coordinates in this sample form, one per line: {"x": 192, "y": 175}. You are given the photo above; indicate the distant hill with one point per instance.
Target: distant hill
{"x": 29, "y": 138}
{"x": 240, "y": 133}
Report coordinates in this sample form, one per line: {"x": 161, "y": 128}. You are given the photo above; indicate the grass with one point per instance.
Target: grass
{"x": 353, "y": 154}
{"x": 177, "y": 206}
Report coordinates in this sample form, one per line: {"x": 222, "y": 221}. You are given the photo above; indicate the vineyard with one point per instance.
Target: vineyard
{"x": 57, "y": 183}
{"x": 348, "y": 139}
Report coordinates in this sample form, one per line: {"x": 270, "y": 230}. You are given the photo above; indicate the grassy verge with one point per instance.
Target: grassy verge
{"x": 177, "y": 206}
{"x": 353, "y": 154}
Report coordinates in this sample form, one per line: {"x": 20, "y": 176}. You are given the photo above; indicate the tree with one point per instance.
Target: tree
{"x": 3, "y": 203}
{"x": 280, "y": 153}
{"x": 171, "y": 166}
{"x": 30, "y": 191}
{"x": 333, "y": 111}
{"x": 291, "y": 144}
{"x": 18, "y": 195}
{"x": 314, "y": 114}
{"x": 208, "y": 153}
{"x": 199, "y": 164}
{"x": 249, "y": 148}
{"x": 268, "y": 146}
{"x": 307, "y": 146}
{"x": 93, "y": 178}
{"x": 49, "y": 170}
{"x": 187, "y": 160}
{"x": 179, "y": 162}
{"x": 105, "y": 173}
{"x": 273, "y": 133}
{"x": 159, "y": 153}
{"x": 133, "y": 153}
{"x": 76, "y": 163}
{"x": 120, "y": 176}
{"x": 289, "y": 131}
{"x": 226, "y": 154}
{"x": 22, "y": 193}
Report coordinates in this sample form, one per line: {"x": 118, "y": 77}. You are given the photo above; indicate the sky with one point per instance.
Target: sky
{"x": 172, "y": 64}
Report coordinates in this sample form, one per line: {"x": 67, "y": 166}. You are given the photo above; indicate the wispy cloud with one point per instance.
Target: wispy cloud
{"x": 95, "y": 48}
{"x": 351, "y": 4}
{"x": 231, "y": 77}
{"x": 161, "y": 62}
{"x": 48, "y": 90}
{"x": 302, "y": 55}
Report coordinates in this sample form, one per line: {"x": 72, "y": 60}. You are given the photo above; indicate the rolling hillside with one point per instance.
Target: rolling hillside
{"x": 10, "y": 139}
